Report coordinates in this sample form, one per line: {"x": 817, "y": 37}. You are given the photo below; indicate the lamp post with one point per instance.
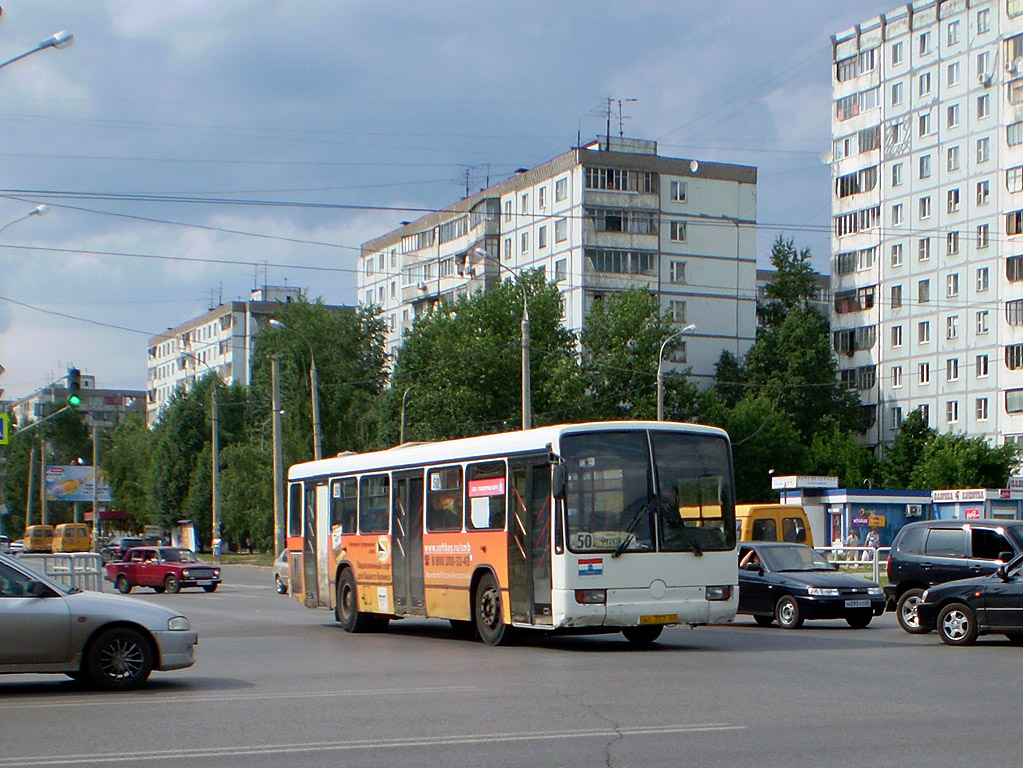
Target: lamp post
{"x": 57, "y": 40}
{"x": 39, "y": 210}
{"x": 314, "y": 387}
{"x": 527, "y": 403}
{"x": 660, "y": 370}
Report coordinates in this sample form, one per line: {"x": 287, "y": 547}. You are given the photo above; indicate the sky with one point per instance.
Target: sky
{"x": 191, "y": 150}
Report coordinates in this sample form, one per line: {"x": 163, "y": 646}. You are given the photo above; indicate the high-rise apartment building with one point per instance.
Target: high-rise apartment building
{"x": 927, "y": 225}
{"x": 597, "y": 219}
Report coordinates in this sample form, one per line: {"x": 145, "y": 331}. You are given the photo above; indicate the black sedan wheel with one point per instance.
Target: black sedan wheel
{"x": 210, "y": 587}
{"x": 119, "y": 659}
{"x": 764, "y": 621}
{"x": 957, "y": 624}
{"x": 787, "y": 613}
{"x": 859, "y": 620}
{"x": 905, "y": 611}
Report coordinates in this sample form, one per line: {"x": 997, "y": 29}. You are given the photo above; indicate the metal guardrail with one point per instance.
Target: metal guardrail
{"x": 858, "y": 557}
{"x": 83, "y": 570}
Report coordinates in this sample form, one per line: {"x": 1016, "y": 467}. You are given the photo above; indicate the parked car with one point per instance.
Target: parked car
{"x": 932, "y": 552}
{"x": 108, "y": 640}
{"x": 115, "y": 548}
{"x": 961, "y": 610}
{"x": 5, "y": 544}
{"x": 164, "y": 569}
{"x": 282, "y": 574}
{"x": 789, "y": 583}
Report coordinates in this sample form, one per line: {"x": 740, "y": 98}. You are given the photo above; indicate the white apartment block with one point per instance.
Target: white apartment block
{"x": 102, "y": 408}
{"x": 927, "y": 230}
{"x": 597, "y": 220}
{"x": 221, "y": 340}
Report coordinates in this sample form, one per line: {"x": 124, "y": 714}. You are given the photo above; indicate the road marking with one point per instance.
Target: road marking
{"x": 143, "y": 697}
{"x": 364, "y": 744}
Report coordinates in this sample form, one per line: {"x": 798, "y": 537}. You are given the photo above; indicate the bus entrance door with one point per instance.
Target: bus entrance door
{"x": 309, "y": 548}
{"x": 407, "y": 547}
{"x": 529, "y": 542}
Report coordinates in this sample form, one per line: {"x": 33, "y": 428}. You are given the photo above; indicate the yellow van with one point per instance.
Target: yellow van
{"x": 39, "y": 538}
{"x": 773, "y": 522}
{"x": 72, "y": 537}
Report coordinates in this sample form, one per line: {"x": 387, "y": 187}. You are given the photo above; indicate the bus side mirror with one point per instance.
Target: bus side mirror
{"x": 558, "y": 481}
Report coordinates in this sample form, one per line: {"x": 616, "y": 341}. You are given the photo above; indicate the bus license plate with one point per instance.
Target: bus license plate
{"x": 659, "y": 618}
{"x": 857, "y": 603}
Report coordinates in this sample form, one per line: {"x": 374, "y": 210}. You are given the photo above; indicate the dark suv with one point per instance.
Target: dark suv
{"x": 115, "y": 548}
{"x": 936, "y": 551}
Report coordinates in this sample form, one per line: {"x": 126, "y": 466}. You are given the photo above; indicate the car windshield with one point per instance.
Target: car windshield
{"x": 180, "y": 556}
{"x": 796, "y": 558}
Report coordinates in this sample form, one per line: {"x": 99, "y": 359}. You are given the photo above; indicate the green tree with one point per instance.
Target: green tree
{"x": 895, "y": 470}
{"x": 348, "y": 345}
{"x": 126, "y": 463}
{"x": 621, "y": 339}
{"x": 247, "y": 499}
{"x": 461, "y": 366}
{"x": 729, "y": 379}
{"x": 838, "y": 452}
{"x": 794, "y": 284}
{"x": 956, "y": 461}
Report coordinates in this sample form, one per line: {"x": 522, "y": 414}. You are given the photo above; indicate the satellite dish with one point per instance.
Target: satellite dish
{"x": 827, "y": 156}
{"x": 693, "y": 166}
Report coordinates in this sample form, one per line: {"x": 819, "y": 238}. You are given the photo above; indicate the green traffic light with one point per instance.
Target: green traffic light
{"x": 75, "y": 400}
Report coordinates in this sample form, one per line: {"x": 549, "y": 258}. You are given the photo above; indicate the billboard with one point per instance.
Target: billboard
{"x": 73, "y": 483}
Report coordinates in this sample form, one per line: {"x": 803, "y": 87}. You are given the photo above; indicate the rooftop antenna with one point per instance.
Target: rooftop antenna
{"x": 622, "y": 118}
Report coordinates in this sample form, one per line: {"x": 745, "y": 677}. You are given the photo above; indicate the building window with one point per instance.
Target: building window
{"x": 1013, "y": 7}
{"x": 524, "y": 242}
{"x": 896, "y": 174}
{"x": 678, "y": 312}
{"x": 983, "y": 231}
{"x": 924, "y": 249}
{"x": 952, "y": 115}
{"x": 924, "y": 373}
{"x": 1014, "y": 312}
{"x": 896, "y": 336}
{"x": 621, "y": 261}
{"x": 923, "y": 291}
{"x": 983, "y": 149}
{"x": 952, "y": 327}
{"x": 952, "y": 243}
{"x": 898, "y": 55}
{"x": 507, "y": 210}
{"x": 925, "y": 83}
{"x": 507, "y": 248}
{"x": 925, "y": 207}
{"x": 896, "y": 300}
{"x": 896, "y": 416}
{"x": 560, "y": 270}
{"x": 952, "y": 411}
{"x": 983, "y": 21}
{"x": 561, "y": 230}
{"x": 952, "y": 284}
{"x": 925, "y": 166}
{"x": 896, "y": 254}
{"x": 923, "y": 331}
{"x": 983, "y": 105}
{"x": 896, "y": 376}
{"x": 953, "y": 73}
{"x": 541, "y": 198}
{"x": 952, "y": 369}
{"x": 1014, "y": 401}
{"x": 924, "y": 124}
{"x": 1014, "y": 269}
{"x": 896, "y": 94}
{"x": 952, "y": 33}
{"x": 983, "y": 192}
{"x": 981, "y": 409}
{"x": 982, "y": 322}
{"x": 677, "y": 272}
{"x": 952, "y": 200}
{"x": 1014, "y": 134}
{"x": 525, "y": 203}
{"x": 952, "y": 159}
{"x": 678, "y": 231}
{"x": 925, "y": 412}
{"x": 541, "y": 237}
{"x": 980, "y": 366}
{"x": 678, "y": 191}
{"x": 1014, "y": 179}
{"x": 1014, "y": 223}
{"x": 560, "y": 190}
{"x": 897, "y": 214}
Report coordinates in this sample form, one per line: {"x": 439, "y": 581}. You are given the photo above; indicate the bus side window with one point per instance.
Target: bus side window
{"x": 444, "y": 500}
{"x": 295, "y": 510}
{"x": 344, "y": 504}
{"x": 374, "y": 503}
{"x": 485, "y": 485}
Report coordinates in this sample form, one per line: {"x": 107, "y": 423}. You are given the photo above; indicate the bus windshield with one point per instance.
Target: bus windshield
{"x": 638, "y": 491}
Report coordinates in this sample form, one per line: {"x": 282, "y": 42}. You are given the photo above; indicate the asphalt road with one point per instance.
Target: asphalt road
{"x": 277, "y": 684}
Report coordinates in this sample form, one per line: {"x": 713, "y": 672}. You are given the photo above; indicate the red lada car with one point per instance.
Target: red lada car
{"x": 164, "y": 569}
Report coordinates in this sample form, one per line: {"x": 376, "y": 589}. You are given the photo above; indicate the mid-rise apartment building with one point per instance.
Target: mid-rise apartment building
{"x": 102, "y": 408}
{"x": 927, "y": 227}
{"x": 220, "y": 340}
{"x": 598, "y": 219}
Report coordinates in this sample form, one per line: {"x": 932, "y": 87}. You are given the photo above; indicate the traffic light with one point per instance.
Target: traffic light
{"x": 74, "y": 387}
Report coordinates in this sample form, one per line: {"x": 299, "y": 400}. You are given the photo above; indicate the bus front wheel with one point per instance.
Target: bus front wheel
{"x": 488, "y": 612}
{"x": 346, "y": 611}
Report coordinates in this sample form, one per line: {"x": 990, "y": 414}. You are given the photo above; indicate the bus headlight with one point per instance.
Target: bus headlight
{"x": 591, "y": 596}
{"x": 719, "y": 592}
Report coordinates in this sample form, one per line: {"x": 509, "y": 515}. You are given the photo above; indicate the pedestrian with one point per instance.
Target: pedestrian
{"x": 217, "y": 545}
{"x": 873, "y": 539}
{"x": 852, "y": 543}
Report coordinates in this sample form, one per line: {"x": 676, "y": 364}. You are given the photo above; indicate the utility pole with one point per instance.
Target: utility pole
{"x": 95, "y": 488}
{"x": 280, "y": 535}
{"x": 28, "y": 494}
{"x": 42, "y": 482}
{"x": 215, "y": 450}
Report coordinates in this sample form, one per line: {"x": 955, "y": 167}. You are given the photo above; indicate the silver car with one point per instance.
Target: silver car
{"x": 281, "y": 572}
{"x": 111, "y": 641}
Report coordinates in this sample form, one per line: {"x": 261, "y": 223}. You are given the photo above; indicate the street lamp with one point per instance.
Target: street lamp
{"x": 314, "y": 386}
{"x": 39, "y": 210}
{"x": 527, "y": 404}
{"x": 660, "y": 370}
{"x": 57, "y": 40}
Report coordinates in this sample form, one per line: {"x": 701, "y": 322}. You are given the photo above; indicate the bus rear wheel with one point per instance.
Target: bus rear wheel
{"x": 488, "y": 612}
{"x": 644, "y": 635}
{"x": 346, "y": 611}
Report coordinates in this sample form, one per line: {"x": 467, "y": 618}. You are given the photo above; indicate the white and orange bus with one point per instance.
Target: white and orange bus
{"x": 584, "y": 528}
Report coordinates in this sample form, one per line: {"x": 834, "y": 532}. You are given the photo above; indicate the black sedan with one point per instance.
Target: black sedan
{"x": 790, "y": 583}
{"x": 964, "y": 609}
